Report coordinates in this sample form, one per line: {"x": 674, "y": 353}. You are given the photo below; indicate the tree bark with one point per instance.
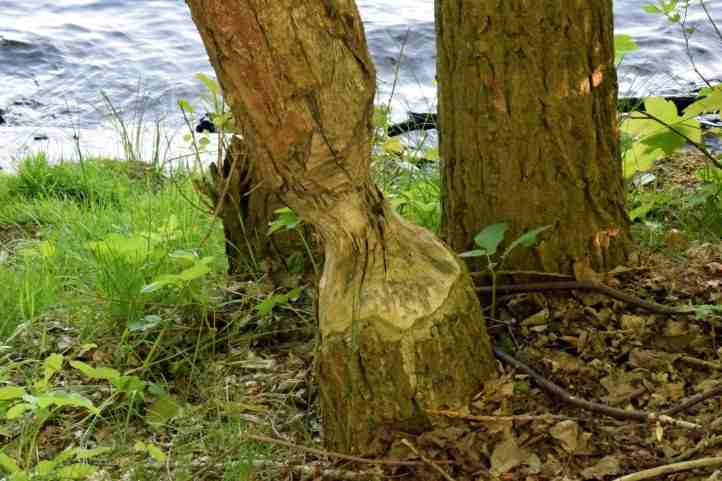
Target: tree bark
{"x": 246, "y": 207}
{"x": 528, "y": 128}
{"x": 401, "y": 328}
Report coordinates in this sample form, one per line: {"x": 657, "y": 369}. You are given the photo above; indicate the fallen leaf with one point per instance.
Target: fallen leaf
{"x": 567, "y": 432}
{"x": 607, "y": 466}
{"x": 507, "y": 455}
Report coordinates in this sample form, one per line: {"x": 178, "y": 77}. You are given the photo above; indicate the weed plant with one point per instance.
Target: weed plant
{"x": 100, "y": 239}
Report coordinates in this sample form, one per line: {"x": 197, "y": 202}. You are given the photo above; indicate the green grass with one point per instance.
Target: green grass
{"x": 114, "y": 259}
{"x": 102, "y": 234}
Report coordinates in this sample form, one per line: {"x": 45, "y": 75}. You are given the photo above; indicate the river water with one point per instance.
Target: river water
{"x": 57, "y": 56}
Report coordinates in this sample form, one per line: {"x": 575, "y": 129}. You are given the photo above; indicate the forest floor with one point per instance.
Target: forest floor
{"x": 211, "y": 378}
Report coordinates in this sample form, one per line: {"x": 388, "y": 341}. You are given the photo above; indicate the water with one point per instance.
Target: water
{"x": 56, "y": 56}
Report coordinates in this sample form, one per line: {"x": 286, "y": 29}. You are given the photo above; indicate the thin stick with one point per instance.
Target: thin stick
{"x": 321, "y": 452}
{"x": 587, "y": 286}
{"x": 426, "y": 460}
{"x": 695, "y": 400}
{"x": 496, "y": 419}
{"x": 701, "y": 363}
{"x": 556, "y": 275}
{"x": 703, "y": 444}
{"x": 613, "y": 412}
{"x": 672, "y": 468}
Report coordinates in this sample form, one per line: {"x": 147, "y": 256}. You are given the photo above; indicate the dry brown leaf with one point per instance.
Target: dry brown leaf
{"x": 607, "y": 466}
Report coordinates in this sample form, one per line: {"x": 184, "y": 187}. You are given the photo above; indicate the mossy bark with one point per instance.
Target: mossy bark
{"x": 246, "y": 207}
{"x": 528, "y": 127}
{"x": 401, "y": 329}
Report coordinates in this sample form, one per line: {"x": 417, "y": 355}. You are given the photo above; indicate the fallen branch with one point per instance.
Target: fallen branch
{"x": 672, "y": 468}
{"x": 587, "y": 286}
{"x": 701, "y": 363}
{"x": 426, "y": 460}
{"x": 497, "y": 419}
{"x": 696, "y": 399}
{"x": 317, "y": 472}
{"x": 705, "y": 443}
{"x": 589, "y": 405}
{"x": 332, "y": 454}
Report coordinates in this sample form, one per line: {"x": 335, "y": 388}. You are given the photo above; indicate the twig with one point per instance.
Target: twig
{"x": 556, "y": 275}
{"x": 592, "y": 406}
{"x": 696, "y": 399}
{"x": 587, "y": 286}
{"x": 345, "y": 457}
{"x": 703, "y": 444}
{"x": 711, "y": 20}
{"x": 312, "y": 471}
{"x": 495, "y": 419}
{"x": 701, "y": 363}
{"x": 426, "y": 460}
{"x": 672, "y": 468}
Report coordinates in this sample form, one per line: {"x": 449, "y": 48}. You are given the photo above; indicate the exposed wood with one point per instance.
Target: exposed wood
{"x": 397, "y": 311}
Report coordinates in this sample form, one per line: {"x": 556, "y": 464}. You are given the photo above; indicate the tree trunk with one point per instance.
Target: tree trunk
{"x": 401, "y": 328}
{"x": 246, "y": 207}
{"x": 528, "y": 127}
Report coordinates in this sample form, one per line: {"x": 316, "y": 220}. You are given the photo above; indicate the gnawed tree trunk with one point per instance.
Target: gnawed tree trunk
{"x": 528, "y": 127}
{"x": 401, "y": 329}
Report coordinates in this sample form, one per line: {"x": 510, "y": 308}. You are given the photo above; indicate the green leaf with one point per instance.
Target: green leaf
{"x": 11, "y": 392}
{"x": 61, "y": 399}
{"x": 156, "y": 453}
{"x": 186, "y": 106}
{"x": 8, "y": 464}
{"x": 65, "y": 455}
{"x": 654, "y": 138}
{"x": 77, "y": 471}
{"x": 527, "y": 239}
{"x": 661, "y": 108}
{"x": 639, "y": 159}
{"x": 186, "y": 257}
{"x": 105, "y": 373}
{"x": 151, "y": 321}
{"x": 44, "y": 249}
{"x": 381, "y": 117}
{"x": 285, "y": 219}
{"x": 43, "y": 468}
{"x": 490, "y": 237}
{"x": 200, "y": 269}
{"x": 162, "y": 410}
{"x": 92, "y": 453}
{"x": 651, "y": 8}
{"x": 131, "y": 385}
{"x": 265, "y": 307}
{"x": 212, "y": 85}
{"x": 472, "y": 253}
{"x": 18, "y": 410}
{"x": 393, "y": 146}
{"x": 135, "y": 249}
{"x": 432, "y": 154}
{"x": 52, "y": 364}
{"x": 623, "y": 44}
{"x": 710, "y": 102}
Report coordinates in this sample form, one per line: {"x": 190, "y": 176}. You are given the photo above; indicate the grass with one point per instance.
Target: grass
{"x": 102, "y": 238}
{"x": 113, "y": 259}
{"x": 114, "y": 265}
